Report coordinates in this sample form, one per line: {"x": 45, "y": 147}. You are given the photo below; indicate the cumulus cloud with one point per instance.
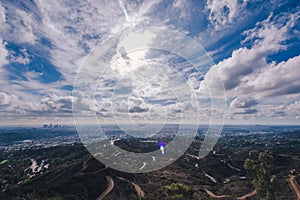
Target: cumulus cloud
{"x": 294, "y": 109}
{"x": 10, "y": 104}
{"x": 250, "y": 79}
{"x": 242, "y": 105}
{"x": 53, "y": 103}
{"x": 245, "y": 63}
{"x": 137, "y": 105}
{"x": 278, "y": 79}
{"x": 5, "y": 99}
{"x": 137, "y": 109}
{"x": 222, "y": 12}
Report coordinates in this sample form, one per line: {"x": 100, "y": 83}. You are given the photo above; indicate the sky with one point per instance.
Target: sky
{"x": 46, "y": 48}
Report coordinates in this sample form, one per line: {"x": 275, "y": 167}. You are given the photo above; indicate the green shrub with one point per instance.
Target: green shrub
{"x": 177, "y": 190}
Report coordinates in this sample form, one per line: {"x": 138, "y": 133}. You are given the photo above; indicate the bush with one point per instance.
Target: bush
{"x": 177, "y": 190}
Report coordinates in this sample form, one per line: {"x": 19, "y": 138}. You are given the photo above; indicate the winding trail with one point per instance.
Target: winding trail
{"x": 211, "y": 194}
{"x": 109, "y": 188}
{"x": 247, "y": 195}
{"x": 138, "y": 189}
{"x": 295, "y": 186}
{"x": 84, "y": 167}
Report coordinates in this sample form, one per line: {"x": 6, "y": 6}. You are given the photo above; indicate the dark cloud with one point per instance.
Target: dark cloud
{"x": 241, "y": 102}
{"x": 137, "y": 109}
{"x": 246, "y": 111}
{"x": 248, "y": 103}
{"x": 280, "y": 113}
{"x": 243, "y": 106}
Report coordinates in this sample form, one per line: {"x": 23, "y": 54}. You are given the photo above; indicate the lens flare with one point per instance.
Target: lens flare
{"x": 162, "y": 147}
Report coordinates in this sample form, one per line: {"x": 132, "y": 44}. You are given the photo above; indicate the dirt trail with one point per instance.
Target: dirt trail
{"x": 138, "y": 189}
{"x": 247, "y": 195}
{"x": 109, "y": 188}
{"x": 84, "y": 167}
{"x": 211, "y": 194}
{"x": 294, "y": 185}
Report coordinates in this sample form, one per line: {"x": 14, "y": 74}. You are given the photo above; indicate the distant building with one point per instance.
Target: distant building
{"x": 55, "y": 126}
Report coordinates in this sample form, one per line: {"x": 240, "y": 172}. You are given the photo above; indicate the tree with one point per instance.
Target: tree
{"x": 258, "y": 165}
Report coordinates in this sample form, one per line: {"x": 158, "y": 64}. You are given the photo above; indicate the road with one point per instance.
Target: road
{"x": 109, "y": 188}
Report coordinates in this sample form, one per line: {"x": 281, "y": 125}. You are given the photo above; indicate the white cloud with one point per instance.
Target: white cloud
{"x": 72, "y": 28}
{"x": 294, "y": 109}
{"x": 10, "y": 104}
{"x": 183, "y": 7}
{"x": 2, "y": 15}
{"x": 245, "y": 64}
{"x": 23, "y": 58}
{"x": 278, "y": 79}
{"x": 249, "y": 79}
{"x": 2, "y": 19}
{"x": 55, "y": 104}
{"x": 242, "y": 105}
{"x": 75, "y": 32}
{"x": 222, "y": 12}
{"x": 3, "y": 53}
{"x": 26, "y": 26}
{"x": 3, "y": 50}
{"x": 268, "y": 36}
{"x": 52, "y": 105}
{"x": 32, "y": 75}
{"x": 5, "y": 99}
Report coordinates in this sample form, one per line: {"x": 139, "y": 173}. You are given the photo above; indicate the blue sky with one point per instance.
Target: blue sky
{"x": 254, "y": 45}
